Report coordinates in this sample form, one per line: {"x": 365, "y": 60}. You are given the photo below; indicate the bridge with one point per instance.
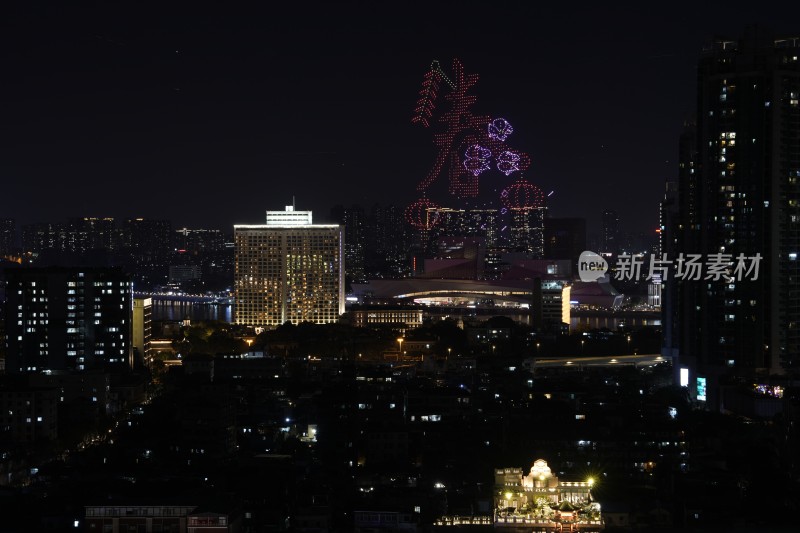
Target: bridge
{"x": 184, "y": 298}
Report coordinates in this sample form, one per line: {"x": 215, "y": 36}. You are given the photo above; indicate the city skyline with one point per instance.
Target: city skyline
{"x": 319, "y": 106}
{"x": 333, "y": 267}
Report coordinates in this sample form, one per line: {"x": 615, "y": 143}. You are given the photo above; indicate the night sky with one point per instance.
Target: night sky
{"x": 209, "y": 116}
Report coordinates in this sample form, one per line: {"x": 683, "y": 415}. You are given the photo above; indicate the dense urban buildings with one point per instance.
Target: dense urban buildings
{"x": 289, "y": 270}
{"x": 739, "y": 194}
{"x": 187, "y": 259}
{"x": 463, "y": 356}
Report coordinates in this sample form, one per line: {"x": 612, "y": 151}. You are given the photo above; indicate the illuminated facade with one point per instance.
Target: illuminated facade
{"x": 543, "y": 303}
{"x": 142, "y": 326}
{"x": 410, "y": 318}
{"x": 137, "y": 518}
{"x": 551, "y": 303}
{"x": 288, "y": 270}
{"x": 541, "y": 501}
{"x": 289, "y": 217}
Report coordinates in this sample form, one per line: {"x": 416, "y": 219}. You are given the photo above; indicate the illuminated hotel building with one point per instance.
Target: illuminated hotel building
{"x": 288, "y": 270}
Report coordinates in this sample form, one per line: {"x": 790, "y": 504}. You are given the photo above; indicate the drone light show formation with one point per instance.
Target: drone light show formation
{"x": 522, "y": 195}
{"x": 468, "y": 144}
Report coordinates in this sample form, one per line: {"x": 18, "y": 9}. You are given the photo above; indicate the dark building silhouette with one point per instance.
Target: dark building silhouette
{"x": 678, "y": 217}
{"x": 740, "y": 194}
{"x": 564, "y": 238}
{"x": 387, "y": 243}
{"x": 198, "y": 241}
{"x": 146, "y": 247}
{"x": 353, "y": 219}
{"x": 610, "y": 240}
{"x": 456, "y": 258}
{"x": 96, "y": 233}
{"x": 149, "y": 240}
{"x": 527, "y": 231}
{"x": 484, "y": 223}
{"x": 8, "y": 231}
{"x": 28, "y": 414}
{"x": 62, "y": 318}
{"x": 75, "y": 237}
{"x": 53, "y": 236}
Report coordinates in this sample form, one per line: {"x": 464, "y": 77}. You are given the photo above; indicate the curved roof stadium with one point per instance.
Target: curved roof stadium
{"x": 411, "y": 289}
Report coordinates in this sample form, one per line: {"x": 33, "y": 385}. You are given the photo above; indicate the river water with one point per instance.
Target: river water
{"x": 165, "y": 310}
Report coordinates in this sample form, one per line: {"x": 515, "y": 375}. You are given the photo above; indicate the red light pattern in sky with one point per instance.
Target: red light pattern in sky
{"x": 461, "y": 129}
{"x": 419, "y": 214}
{"x": 522, "y": 195}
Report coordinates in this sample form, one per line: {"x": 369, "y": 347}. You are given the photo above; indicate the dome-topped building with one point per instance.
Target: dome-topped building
{"x": 541, "y": 500}
{"x": 540, "y": 476}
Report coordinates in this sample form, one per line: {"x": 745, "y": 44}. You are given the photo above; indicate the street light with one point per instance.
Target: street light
{"x": 582, "y": 342}
{"x": 449, "y": 350}
{"x": 537, "y": 348}
{"x": 400, "y": 344}
{"x": 629, "y": 343}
